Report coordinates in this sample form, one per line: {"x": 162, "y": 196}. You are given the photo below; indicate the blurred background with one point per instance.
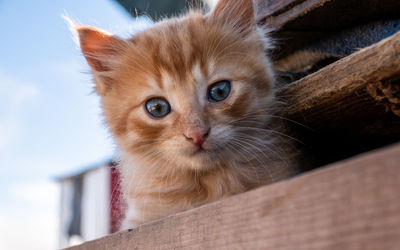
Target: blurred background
{"x": 57, "y": 178}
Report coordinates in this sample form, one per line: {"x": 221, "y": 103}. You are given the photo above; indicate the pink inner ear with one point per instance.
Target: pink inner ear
{"x": 239, "y": 13}
{"x": 96, "y": 45}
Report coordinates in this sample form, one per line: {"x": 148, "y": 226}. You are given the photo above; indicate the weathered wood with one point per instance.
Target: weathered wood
{"x": 274, "y": 7}
{"x": 342, "y": 95}
{"x": 299, "y": 23}
{"x": 276, "y": 13}
{"x": 353, "y": 204}
{"x": 387, "y": 92}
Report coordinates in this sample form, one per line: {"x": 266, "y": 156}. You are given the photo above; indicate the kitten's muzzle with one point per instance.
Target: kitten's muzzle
{"x": 197, "y": 136}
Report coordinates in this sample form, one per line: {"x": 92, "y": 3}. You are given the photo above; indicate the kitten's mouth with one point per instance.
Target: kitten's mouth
{"x": 198, "y": 151}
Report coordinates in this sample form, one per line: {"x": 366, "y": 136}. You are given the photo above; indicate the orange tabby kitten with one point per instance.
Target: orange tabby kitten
{"x": 190, "y": 103}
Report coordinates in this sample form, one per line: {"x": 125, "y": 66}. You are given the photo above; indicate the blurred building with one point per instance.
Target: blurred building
{"x": 91, "y": 204}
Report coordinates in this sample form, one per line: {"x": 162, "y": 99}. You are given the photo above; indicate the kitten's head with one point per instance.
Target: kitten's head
{"x": 191, "y": 91}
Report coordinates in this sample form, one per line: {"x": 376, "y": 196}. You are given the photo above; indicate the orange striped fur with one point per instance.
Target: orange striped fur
{"x": 178, "y": 59}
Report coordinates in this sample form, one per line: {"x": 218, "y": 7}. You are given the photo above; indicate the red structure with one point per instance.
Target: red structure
{"x": 118, "y": 205}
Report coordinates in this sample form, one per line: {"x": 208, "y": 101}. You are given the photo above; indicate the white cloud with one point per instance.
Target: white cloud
{"x": 23, "y": 93}
{"x": 8, "y": 131}
{"x": 28, "y": 220}
{"x": 70, "y": 71}
{"x": 35, "y": 193}
{"x": 28, "y": 211}
{"x": 14, "y": 94}
{"x": 15, "y": 91}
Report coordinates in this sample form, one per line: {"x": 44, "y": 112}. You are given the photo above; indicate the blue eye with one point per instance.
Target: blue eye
{"x": 158, "y": 107}
{"x": 219, "y": 91}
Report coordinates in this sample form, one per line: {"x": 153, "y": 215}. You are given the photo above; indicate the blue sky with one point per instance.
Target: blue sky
{"x": 50, "y": 121}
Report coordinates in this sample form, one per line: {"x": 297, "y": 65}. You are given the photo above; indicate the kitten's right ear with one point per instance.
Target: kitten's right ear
{"x": 96, "y": 46}
{"x": 100, "y": 48}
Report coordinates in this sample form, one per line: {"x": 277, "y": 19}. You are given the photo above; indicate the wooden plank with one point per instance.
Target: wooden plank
{"x": 351, "y": 205}
{"x": 299, "y": 23}
{"x": 331, "y": 14}
{"x": 275, "y": 13}
{"x": 267, "y": 8}
{"x": 348, "y": 93}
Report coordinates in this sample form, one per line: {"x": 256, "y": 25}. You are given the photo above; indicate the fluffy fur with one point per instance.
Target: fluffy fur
{"x": 178, "y": 59}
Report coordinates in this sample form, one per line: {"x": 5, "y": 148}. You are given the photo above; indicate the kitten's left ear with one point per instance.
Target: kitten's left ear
{"x": 238, "y": 13}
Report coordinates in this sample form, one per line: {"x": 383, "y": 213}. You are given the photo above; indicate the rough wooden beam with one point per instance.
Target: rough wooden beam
{"x": 350, "y": 205}
{"x": 331, "y": 14}
{"x": 300, "y": 23}
{"x": 276, "y": 13}
{"x": 354, "y": 92}
{"x": 388, "y": 93}
{"x": 267, "y": 8}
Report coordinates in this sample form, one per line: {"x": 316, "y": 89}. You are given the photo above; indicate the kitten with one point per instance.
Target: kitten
{"x": 191, "y": 104}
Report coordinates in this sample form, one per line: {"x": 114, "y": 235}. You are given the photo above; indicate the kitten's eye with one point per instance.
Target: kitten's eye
{"x": 158, "y": 107}
{"x": 219, "y": 91}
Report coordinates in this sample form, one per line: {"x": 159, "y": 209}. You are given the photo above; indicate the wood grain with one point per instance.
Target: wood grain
{"x": 299, "y": 23}
{"x": 276, "y": 13}
{"x": 352, "y": 204}
{"x": 340, "y": 96}
{"x": 274, "y": 7}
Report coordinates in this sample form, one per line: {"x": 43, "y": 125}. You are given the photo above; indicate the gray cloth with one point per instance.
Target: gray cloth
{"x": 348, "y": 41}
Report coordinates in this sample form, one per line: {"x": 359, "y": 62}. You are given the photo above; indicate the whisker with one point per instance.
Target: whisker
{"x": 263, "y": 130}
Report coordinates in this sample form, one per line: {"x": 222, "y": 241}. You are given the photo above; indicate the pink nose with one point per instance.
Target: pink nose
{"x": 197, "y": 136}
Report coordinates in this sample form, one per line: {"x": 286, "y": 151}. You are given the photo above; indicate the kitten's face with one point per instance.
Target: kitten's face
{"x": 186, "y": 91}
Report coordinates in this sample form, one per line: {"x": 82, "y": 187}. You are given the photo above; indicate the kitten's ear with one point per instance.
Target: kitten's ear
{"x": 239, "y": 13}
{"x": 99, "y": 47}
{"x": 102, "y": 51}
